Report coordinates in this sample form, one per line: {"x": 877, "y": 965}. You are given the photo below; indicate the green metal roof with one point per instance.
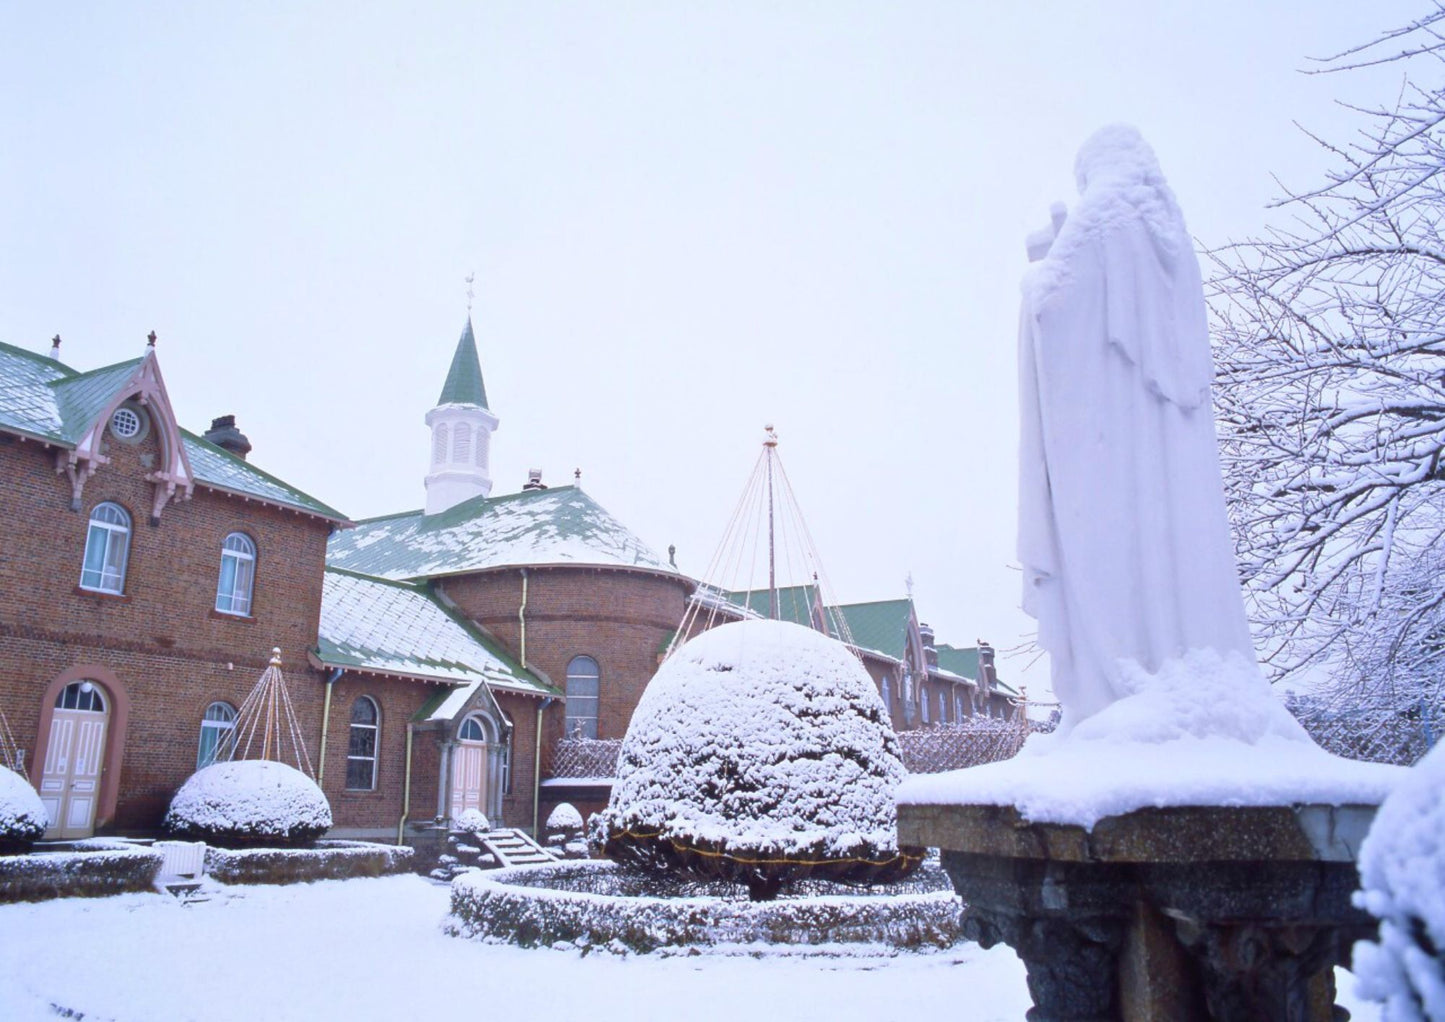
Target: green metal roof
{"x": 44, "y": 399}
{"x": 401, "y": 628}
{"x": 880, "y": 626}
{"x": 464, "y": 384}
{"x": 963, "y": 662}
{"x": 560, "y": 525}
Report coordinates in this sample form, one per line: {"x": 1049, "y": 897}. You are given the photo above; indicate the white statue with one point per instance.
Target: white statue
{"x": 1123, "y": 536}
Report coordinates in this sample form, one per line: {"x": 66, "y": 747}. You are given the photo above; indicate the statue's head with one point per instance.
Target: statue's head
{"x": 1117, "y": 154}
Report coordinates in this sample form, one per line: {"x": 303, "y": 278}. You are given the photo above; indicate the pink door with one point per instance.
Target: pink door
{"x": 70, "y": 778}
{"x": 469, "y": 777}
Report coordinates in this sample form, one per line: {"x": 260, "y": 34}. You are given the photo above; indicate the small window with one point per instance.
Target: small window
{"x": 439, "y": 444}
{"x": 238, "y": 572}
{"x": 506, "y": 765}
{"x": 942, "y": 708}
{"x": 887, "y": 694}
{"x": 361, "y": 749}
{"x": 129, "y": 423}
{"x": 81, "y": 695}
{"x": 462, "y": 444}
{"x": 471, "y": 731}
{"x": 923, "y": 703}
{"x": 107, "y": 545}
{"x": 216, "y": 726}
{"x": 958, "y": 713}
{"x": 583, "y": 687}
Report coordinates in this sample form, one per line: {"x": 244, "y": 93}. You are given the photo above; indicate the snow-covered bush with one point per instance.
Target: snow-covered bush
{"x": 761, "y": 753}
{"x": 564, "y": 831}
{"x": 22, "y": 816}
{"x": 473, "y": 821}
{"x": 247, "y": 803}
{"x": 1402, "y": 878}
{"x": 565, "y": 818}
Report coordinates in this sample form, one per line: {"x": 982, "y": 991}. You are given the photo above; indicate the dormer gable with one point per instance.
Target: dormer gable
{"x": 121, "y": 400}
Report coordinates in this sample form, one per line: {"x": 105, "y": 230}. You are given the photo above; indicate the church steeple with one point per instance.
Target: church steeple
{"x": 461, "y": 432}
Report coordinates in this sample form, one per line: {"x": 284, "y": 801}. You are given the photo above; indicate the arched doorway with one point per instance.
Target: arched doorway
{"x": 74, "y": 759}
{"x": 469, "y": 766}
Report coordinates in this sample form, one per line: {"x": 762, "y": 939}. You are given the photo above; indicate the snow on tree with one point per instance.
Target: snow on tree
{"x": 22, "y": 815}
{"x": 249, "y": 802}
{"x": 1330, "y": 390}
{"x": 240, "y": 800}
{"x": 473, "y": 821}
{"x": 564, "y": 817}
{"x": 761, "y": 753}
{"x": 1402, "y": 875}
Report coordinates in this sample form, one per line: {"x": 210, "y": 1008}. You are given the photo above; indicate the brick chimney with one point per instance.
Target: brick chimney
{"x": 224, "y": 434}
{"x": 930, "y": 652}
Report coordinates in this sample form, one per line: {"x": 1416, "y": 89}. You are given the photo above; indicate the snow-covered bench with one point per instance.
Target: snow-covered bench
{"x": 182, "y": 869}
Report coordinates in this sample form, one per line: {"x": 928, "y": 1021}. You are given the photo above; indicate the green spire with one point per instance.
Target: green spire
{"x": 464, "y": 382}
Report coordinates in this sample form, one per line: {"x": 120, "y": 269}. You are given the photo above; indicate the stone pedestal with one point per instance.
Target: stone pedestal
{"x": 1174, "y": 915}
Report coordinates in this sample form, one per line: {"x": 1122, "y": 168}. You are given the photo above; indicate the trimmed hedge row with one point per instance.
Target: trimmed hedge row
{"x": 512, "y": 906}
{"x": 329, "y": 860}
{"x": 92, "y": 870}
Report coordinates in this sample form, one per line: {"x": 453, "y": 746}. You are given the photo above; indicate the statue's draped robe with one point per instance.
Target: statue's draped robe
{"x": 1123, "y": 534}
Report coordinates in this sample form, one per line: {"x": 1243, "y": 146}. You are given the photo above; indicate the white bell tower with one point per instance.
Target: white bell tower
{"x": 461, "y": 433}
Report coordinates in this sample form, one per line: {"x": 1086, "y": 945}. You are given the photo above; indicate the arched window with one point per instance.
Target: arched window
{"x": 439, "y": 444}
{"x": 462, "y": 444}
{"x": 361, "y": 749}
{"x": 81, "y": 695}
{"x": 942, "y": 708}
{"x": 887, "y": 694}
{"x": 472, "y": 730}
{"x": 958, "y": 713}
{"x": 238, "y": 572}
{"x": 107, "y": 544}
{"x": 584, "y": 680}
{"x": 923, "y": 702}
{"x": 216, "y": 726}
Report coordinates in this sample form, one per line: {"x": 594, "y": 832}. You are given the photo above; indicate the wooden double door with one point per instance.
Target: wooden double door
{"x": 74, "y": 758}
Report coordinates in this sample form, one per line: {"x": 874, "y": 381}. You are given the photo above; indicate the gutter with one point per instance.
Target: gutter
{"x": 335, "y": 676}
{"x": 537, "y": 770}
{"x": 522, "y": 621}
{"x": 406, "y": 787}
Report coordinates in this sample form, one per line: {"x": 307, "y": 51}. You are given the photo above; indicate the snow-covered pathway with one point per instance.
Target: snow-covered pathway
{"x": 373, "y": 949}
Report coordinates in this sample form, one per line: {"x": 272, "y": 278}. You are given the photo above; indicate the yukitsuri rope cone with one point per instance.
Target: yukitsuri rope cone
{"x": 250, "y": 795}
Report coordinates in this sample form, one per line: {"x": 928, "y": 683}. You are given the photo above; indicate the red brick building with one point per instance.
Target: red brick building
{"x": 434, "y": 657}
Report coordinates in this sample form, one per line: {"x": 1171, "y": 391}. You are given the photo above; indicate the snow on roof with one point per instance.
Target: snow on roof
{"x": 400, "y": 628}
{"x": 560, "y": 525}
{"x": 41, "y": 398}
{"x": 1204, "y": 730}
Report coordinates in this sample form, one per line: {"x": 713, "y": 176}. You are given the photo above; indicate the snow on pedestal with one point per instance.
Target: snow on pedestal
{"x": 759, "y": 749}
{"x": 1402, "y": 874}
{"x": 1124, "y": 540}
{"x": 22, "y": 815}
{"x": 249, "y": 802}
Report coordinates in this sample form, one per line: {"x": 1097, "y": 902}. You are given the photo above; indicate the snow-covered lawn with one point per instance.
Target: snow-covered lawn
{"x": 373, "y": 949}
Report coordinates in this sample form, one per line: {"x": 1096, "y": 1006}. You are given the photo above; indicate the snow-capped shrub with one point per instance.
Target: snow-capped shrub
{"x": 760, "y": 752}
{"x": 328, "y": 860}
{"x": 473, "y": 821}
{"x": 22, "y": 816}
{"x": 564, "y": 818}
{"x": 1402, "y": 879}
{"x": 247, "y": 803}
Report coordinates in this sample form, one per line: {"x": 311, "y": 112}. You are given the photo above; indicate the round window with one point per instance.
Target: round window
{"x": 128, "y": 423}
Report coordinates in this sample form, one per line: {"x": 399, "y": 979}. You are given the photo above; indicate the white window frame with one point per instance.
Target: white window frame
{"x": 107, "y": 543}
{"x": 240, "y": 550}
{"x": 217, "y": 723}
{"x": 577, "y": 673}
{"x": 81, "y": 695}
{"x": 362, "y": 726}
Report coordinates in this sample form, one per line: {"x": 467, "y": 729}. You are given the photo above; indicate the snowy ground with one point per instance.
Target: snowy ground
{"x": 373, "y": 949}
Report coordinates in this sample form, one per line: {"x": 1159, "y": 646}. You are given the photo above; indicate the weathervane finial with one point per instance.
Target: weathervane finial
{"x": 471, "y": 278}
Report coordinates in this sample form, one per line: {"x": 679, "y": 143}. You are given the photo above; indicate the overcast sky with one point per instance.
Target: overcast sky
{"x": 686, "y": 220}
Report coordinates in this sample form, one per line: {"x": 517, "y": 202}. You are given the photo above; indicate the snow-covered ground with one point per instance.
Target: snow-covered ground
{"x": 373, "y": 949}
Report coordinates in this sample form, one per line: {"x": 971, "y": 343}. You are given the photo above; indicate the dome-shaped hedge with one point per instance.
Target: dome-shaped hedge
{"x": 760, "y": 752}
{"x": 249, "y": 802}
{"x": 22, "y": 816}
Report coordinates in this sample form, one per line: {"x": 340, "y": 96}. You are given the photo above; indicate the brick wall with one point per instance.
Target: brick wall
{"x": 161, "y": 640}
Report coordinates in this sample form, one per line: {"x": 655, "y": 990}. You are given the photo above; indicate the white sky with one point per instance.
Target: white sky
{"x": 686, "y": 220}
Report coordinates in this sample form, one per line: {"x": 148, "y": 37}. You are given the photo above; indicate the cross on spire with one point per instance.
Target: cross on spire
{"x": 471, "y": 278}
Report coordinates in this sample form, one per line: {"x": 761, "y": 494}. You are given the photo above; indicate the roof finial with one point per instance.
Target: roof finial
{"x": 55, "y": 347}
{"x": 275, "y": 656}
{"x": 577, "y": 475}
{"x": 471, "y": 278}
{"x": 151, "y": 339}
{"x": 908, "y": 584}
{"x": 772, "y": 438}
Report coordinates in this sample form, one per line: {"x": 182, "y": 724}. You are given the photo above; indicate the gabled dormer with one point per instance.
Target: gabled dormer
{"x": 123, "y": 403}
{"x": 461, "y": 432}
